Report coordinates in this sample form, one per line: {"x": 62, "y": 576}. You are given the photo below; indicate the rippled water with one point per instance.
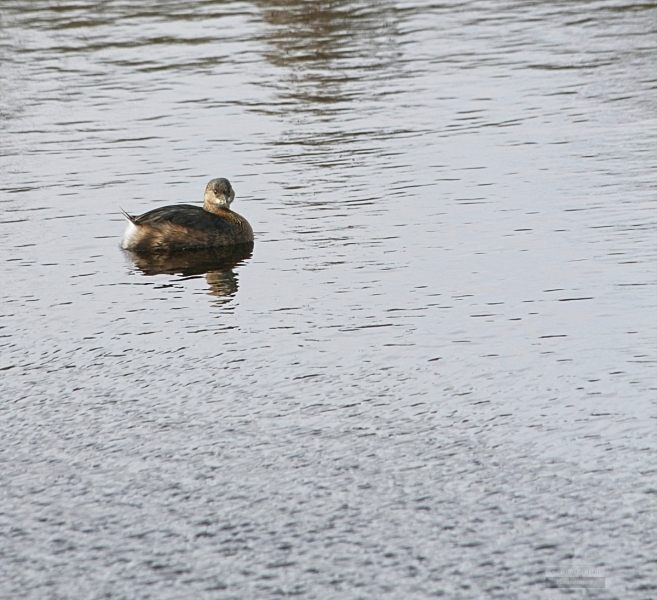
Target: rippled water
{"x": 435, "y": 374}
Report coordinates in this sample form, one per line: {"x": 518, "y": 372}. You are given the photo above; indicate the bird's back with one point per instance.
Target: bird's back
{"x": 185, "y": 227}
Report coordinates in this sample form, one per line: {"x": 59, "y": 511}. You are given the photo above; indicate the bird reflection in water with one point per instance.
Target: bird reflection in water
{"x": 216, "y": 264}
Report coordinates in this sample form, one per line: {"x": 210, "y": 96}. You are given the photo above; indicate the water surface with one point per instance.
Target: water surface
{"x": 435, "y": 374}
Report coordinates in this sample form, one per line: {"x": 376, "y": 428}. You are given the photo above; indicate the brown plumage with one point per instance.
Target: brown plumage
{"x": 186, "y": 227}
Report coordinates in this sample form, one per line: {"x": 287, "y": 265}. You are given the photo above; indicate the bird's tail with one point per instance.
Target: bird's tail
{"x": 130, "y": 218}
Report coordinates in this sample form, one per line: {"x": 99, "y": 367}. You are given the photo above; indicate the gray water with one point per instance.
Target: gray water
{"x": 434, "y": 376}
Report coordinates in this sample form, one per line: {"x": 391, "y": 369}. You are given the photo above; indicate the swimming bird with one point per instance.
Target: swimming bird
{"x": 181, "y": 227}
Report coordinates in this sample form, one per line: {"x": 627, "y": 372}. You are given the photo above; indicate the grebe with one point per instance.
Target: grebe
{"x": 187, "y": 227}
